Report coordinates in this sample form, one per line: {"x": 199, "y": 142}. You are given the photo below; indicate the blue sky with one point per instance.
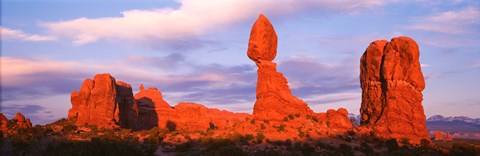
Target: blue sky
{"x": 195, "y": 50}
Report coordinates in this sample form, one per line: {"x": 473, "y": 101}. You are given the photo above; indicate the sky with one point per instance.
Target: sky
{"x": 195, "y": 50}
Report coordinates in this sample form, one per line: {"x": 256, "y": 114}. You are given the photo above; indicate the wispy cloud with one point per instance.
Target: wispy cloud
{"x": 192, "y": 18}
{"x": 13, "y": 34}
{"x": 449, "y": 22}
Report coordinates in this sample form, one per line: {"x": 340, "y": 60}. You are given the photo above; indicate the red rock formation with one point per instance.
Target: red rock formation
{"x": 337, "y": 119}
{"x": 443, "y": 136}
{"x": 3, "y": 122}
{"x": 99, "y": 102}
{"x": 192, "y": 116}
{"x": 153, "y": 110}
{"x": 274, "y": 99}
{"x": 156, "y": 112}
{"x": 392, "y": 84}
{"x": 21, "y": 122}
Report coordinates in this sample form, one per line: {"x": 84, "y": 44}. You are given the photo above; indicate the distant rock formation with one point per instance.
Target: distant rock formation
{"x": 443, "y": 136}
{"x": 17, "y": 122}
{"x": 392, "y": 82}
{"x": 274, "y": 99}
{"x": 103, "y": 102}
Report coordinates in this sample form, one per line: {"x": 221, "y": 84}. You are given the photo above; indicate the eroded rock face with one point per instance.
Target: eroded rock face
{"x": 392, "y": 83}
{"x": 103, "y": 102}
{"x": 153, "y": 110}
{"x": 274, "y": 99}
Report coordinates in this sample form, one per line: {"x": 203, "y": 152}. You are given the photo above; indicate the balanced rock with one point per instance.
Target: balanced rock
{"x": 100, "y": 102}
{"x": 392, "y": 83}
{"x": 263, "y": 40}
{"x": 274, "y": 99}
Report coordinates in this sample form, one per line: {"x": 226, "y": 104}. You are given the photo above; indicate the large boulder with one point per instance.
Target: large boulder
{"x": 274, "y": 99}
{"x": 392, "y": 84}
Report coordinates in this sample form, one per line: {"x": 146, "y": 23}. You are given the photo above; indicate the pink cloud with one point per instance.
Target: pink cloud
{"x": 450, "y": 22}
{"x": 13, "y": 34}
{"x": 193, "y": 18}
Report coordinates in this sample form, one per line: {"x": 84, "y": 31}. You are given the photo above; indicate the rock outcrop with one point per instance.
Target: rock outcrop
{"x": 17, "y": 122}
{"x": 392, "y": 83}
{"x": 103, "y": 102}
{"x": 156, "y": 112}
{"x": 443, "y": 136}
{"x": 153, "y": 110}
{"x": 20, "y": 121}
{"x": 274, "y": 99}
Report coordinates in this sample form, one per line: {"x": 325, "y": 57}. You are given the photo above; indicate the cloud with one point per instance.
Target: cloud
{"x": 191, "y": 19}
{"x": 450, "y": 22}
{"x": 13, "y": 34}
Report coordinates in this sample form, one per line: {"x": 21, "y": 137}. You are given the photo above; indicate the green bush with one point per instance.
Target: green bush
{"x": 425, "y": 142}
{"x": 297, "y": 115}
{"x": 328, "y": 124}
{"x": 345, "y": 149}
{"x": 260, "y": 137}
{"x": 392, "y": 145}
{"x": 315, "y": 119}
{"x": 266, "y": 121}
{"x": 285, "y": 119}
{"x": 290, "y": 116}
{"x": 301, "y": 134}
{"x": 281, "y": 128}
{"x": 464, "y": 149}
{"x": 249, "y": 137}
{"x": 252, "y": 121}
{"x": 262, "y": 126}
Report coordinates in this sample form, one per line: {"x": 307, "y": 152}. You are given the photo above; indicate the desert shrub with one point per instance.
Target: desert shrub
{"x": 297, "y": 115}
{"x": 315, "y": 119}
{"x": 290, "y": 116}
{"x": 267, "y": 153}
{"x": 351, "y": 133}
{"x": 464, "y": 149}
{"x": 345, "y": 149}
{"x": 262, "y": 126}
{"x": 405, "y": 141}
{"x": 328, "y": 123}
{"x": 285, "y": 119}
{"x": 392, "y": 145}
{"x": 69, "y": 128}
{"x": 365, "y": 148}
{"x": 252, "y": 121}
{"x": 301, "y": 134}
{"x": 372, "y": 133}
{"x": 260, "y": 137}
{"x": 266, "y": 121}
{"x": 249, "y": 137}
{"x": 281, "y": 128}
{"x": 325, "y": 146}
{"x": 308, "y": 117}
{"x": 222, "y": 147}
{"x": 425, "y": 143}
{"x": 98, "y": 146}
